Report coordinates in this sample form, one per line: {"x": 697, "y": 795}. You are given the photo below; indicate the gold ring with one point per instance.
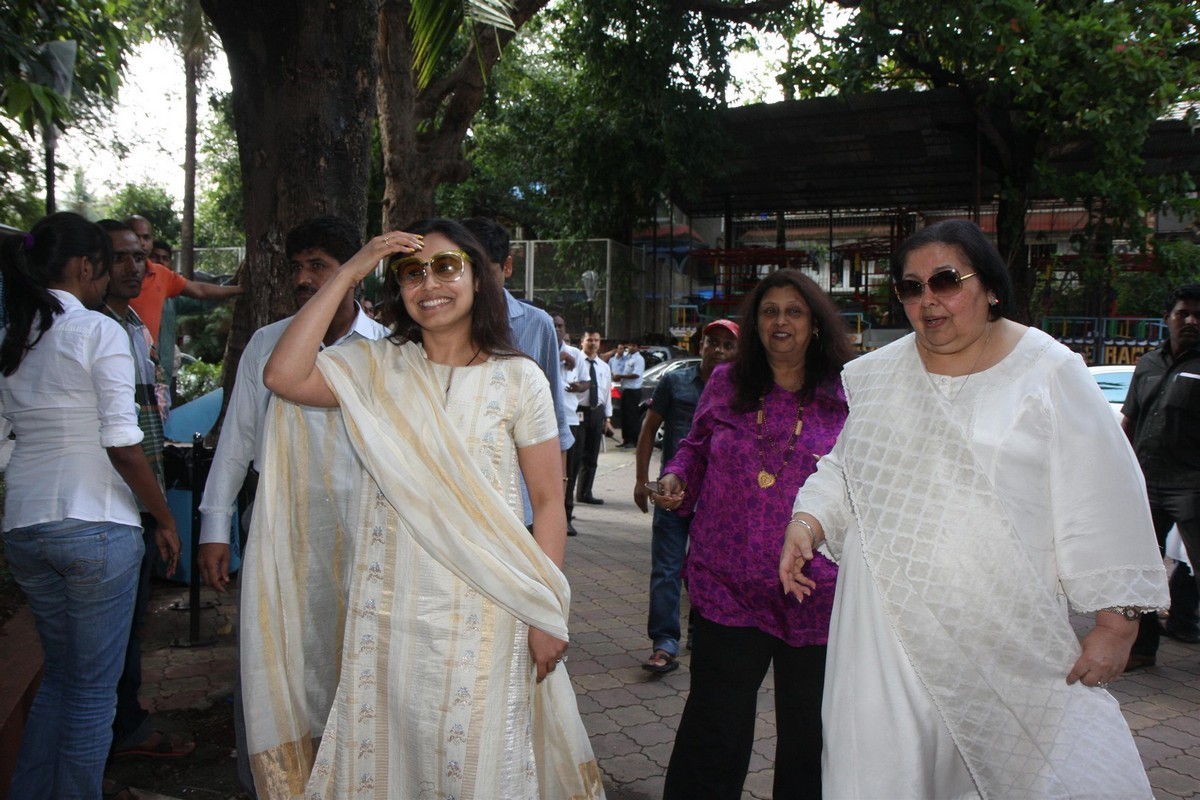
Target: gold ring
{"x": 385, "y": 239}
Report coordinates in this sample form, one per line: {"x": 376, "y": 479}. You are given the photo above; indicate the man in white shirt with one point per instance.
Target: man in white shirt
{"x": 315, "y": 249}
{"x": 628, "y": 369}
{"x": 595, "y": 406}
{"x": 571, "y": 361}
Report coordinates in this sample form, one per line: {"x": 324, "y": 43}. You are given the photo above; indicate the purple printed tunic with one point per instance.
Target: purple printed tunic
{"x": 733, "y": 561}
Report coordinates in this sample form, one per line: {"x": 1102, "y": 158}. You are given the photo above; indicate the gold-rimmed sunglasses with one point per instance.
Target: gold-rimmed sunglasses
{"x": 941, "y": 284}
{"x": 446, "y": 266}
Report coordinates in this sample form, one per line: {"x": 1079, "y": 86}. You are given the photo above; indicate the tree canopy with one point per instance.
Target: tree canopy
{"x": 1084, "y": 78}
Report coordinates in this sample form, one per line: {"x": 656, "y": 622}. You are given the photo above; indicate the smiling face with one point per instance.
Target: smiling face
{"x": 129, "y": 266}
{"x": 946, "y": 325}
{"x": 784, "y": 325}
{"x": 438, "y": 306}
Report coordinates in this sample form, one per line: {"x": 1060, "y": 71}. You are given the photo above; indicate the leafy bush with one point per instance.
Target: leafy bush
{"x": 196, "y": 379}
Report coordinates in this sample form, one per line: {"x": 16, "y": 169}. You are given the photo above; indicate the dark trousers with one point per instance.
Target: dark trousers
{"x": 631, "y": 415}
{"x": 131, "y": 725}
{"x": 716, "y": 733}
{"x": 1172, "y": 507}
{"x": 574, "y": 456}
{"x": 592, "y": 432}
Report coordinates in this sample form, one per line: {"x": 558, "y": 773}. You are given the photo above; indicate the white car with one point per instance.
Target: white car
{"x": 1113, "y": 380}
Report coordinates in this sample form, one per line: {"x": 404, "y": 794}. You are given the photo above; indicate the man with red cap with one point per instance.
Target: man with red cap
{"x": 674, "y": 404}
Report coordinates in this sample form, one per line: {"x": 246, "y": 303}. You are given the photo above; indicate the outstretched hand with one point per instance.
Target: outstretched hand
{"x": 799, "y": 545}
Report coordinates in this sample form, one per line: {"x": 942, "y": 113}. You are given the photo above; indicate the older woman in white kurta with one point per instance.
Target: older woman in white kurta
{"x": 979, "y": 488}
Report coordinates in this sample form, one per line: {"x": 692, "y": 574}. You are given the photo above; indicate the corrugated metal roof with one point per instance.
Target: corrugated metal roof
{"x": 900, "y": 149}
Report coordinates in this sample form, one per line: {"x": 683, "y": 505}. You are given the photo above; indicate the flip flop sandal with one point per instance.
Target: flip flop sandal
{"x": 661, "y": 663}
{"x": 168, "y": 746}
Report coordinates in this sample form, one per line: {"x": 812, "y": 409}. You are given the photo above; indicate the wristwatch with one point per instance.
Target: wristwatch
{"x": 1130, "y": 613}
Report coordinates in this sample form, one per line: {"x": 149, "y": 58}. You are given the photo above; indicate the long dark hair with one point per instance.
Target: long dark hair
{"x": 30, "y": 262}
{"x": 979, "y": 252}
{"x": 828, "y": 349}
{"x": 489, "y": 314}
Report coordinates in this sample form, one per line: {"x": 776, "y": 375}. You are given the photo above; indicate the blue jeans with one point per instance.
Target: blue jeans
{"x": 131, "y": 725}
{"x": 80, "y": 578}
{"x": 668, "y": 548}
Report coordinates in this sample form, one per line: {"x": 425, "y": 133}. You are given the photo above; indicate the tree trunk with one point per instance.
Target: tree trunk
{"x": 187, "y": 255}
{"x": 422, "y": 132}
{"x": 1013, "y": 154}
{"x": 303, "y": 79}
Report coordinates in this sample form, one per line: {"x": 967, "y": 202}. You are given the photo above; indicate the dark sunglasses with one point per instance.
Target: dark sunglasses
{"x": 942, "y": 284}
{"x": 447, "y": 266}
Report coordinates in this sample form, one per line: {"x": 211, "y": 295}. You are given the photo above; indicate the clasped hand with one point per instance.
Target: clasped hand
{"x": 670, "y": 498}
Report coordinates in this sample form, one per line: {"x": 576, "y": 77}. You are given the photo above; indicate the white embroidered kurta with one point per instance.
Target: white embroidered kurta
{"x": 963, "y": 530}
{"x": 435, "y": 691}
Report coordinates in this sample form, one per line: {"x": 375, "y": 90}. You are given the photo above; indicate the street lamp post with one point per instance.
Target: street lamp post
{"x": 590, "y": 279}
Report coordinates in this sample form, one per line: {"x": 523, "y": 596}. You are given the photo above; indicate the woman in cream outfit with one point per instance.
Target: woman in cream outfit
{"x": 449, "y": 681}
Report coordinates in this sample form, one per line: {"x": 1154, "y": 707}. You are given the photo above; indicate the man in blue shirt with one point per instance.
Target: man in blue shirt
{"x": 532, "y": 332}
{"x": 674, "y": 404}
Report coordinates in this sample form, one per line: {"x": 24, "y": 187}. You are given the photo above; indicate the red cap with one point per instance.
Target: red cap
{"x": 727, "y": 324}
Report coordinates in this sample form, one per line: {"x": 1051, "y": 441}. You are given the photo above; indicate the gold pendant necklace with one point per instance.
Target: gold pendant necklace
{"x": 767, "y": 479}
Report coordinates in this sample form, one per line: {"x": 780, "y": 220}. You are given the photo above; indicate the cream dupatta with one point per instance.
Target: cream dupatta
{"x": 392, "y": 407}
{"x": 989, "y": 642}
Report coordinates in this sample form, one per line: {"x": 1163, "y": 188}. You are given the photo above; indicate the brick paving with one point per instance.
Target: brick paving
{"x": 632, "y": 715}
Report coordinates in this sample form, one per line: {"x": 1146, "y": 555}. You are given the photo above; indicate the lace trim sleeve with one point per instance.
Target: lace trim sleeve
{"x": 1144, "y": 588}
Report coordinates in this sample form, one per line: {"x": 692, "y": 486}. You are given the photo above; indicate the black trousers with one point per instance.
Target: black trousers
{"x": 592, "y": 432}
{"x": 631, "y": 415}
{"x": 1173, "y": 507}
{"x": 716, "y": 733}
{"x": 574, "y": 456}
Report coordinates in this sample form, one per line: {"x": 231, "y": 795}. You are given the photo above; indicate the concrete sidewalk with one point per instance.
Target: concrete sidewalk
{"x": 632, "y": 715}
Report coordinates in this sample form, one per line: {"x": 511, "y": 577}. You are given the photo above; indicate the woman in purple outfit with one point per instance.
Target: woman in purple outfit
{"x": 762, "y": 423}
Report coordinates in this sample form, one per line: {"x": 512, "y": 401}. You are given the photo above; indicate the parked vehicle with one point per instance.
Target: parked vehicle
{"x": 655, "y": 354}
{"x": 1114, "y": 380}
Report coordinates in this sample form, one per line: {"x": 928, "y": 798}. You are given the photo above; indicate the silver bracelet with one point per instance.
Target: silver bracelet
{"x": 811, "y": 531}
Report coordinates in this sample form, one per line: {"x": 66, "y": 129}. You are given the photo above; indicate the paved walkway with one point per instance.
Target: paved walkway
{"x": 632, "y": 715}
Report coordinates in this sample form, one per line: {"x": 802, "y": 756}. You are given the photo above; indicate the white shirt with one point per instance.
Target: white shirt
{"x": 632, "y": 364}
{"x": 71, "y": 397}
{"x": 241, "y": 442}
{"x": 603, "y": 382}
{"x": 568, "y": 376}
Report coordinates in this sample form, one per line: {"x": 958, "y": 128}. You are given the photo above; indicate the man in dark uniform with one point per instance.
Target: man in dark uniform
{"x": 1162, "y": 420}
